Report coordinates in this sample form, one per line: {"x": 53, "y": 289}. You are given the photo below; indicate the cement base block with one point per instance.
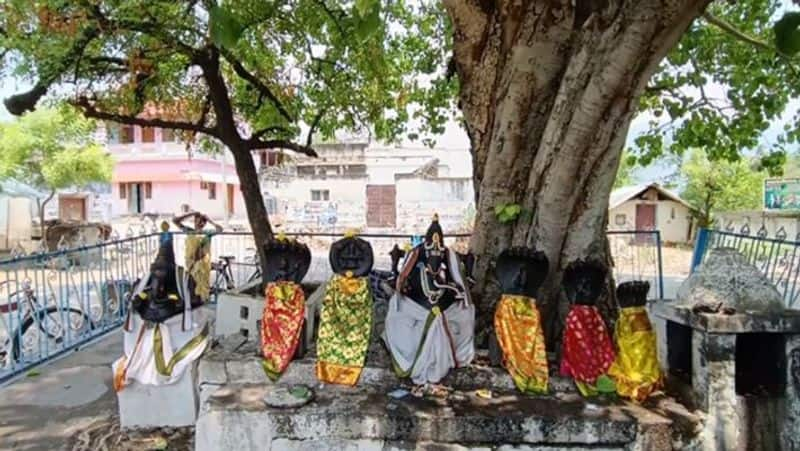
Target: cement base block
{"x": 235, "y": 417}
{"x": 237, "y": 314}
{"x": 144, "y": 406}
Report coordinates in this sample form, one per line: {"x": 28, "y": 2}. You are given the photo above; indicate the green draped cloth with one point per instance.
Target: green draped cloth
{"x": 345, "y": 329}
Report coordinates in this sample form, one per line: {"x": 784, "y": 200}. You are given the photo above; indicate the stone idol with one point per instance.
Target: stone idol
{"x": 346, "y": 319}
{"x": 587, "y": 350}
{"x": 517, "y": 322}
{"x": 162, "y": 334}
{"x": 284, "y": 310}
{"x": 430, "y": 320}
{"x": 635, "y": 370}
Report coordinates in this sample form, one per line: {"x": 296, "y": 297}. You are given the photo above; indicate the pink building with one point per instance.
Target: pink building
{"x": 156, "y": 174}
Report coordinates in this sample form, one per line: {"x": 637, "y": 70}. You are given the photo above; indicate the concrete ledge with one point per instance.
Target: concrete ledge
{"x": 235, "y": 414}
{"x": 785, "y": 322}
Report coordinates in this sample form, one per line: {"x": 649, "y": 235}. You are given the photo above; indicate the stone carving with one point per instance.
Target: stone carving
{"x": 727, "y": 278}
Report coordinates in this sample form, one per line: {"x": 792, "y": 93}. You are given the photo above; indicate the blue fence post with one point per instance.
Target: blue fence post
{"x": 700, "y": 245}
{"x": 660, "y": 265}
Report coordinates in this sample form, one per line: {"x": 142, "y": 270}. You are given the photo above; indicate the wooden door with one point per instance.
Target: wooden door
{"x": 230, "y": 200}
{"x": 381, "y": 210}
{"x": 72, "y": 209}
{"x": 645, "y": 220}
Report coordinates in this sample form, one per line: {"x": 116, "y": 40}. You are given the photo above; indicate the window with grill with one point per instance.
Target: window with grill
{"x": 212, "y": 190}
{"x": 126, "y": 134}
{"x": 320, "y": 194}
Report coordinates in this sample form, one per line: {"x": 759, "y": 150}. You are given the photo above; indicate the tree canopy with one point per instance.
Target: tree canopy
{"x": 731, "y": 77}
{"x": 53, "y": 149}
{"x": 721, "y": 186}
{"x": 286, "y": 66}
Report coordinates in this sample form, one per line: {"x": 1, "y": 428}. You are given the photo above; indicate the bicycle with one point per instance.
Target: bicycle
{"x": 37, "y": 322}
{"x": 223, "y": 273}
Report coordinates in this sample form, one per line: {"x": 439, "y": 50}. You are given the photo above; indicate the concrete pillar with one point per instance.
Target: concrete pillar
{"x": 791, "y": 423}
{"x": 714, "y": 386}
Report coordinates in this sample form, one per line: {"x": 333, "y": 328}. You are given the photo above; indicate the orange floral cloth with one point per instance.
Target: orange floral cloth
{"x": 636, "y": 370}
{"x": 518, "y": 326}
{"x": 587, "y": 351}
{"x": 281, "y": 325}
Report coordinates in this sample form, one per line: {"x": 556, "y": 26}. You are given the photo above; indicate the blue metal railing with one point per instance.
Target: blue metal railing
{"x": 777, "y": 258}
{"x": 55, "y": 302}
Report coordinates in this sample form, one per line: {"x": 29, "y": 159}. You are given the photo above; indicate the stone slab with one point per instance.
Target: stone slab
{"x": 233, "y": 363}
{"x": 787, "y": 322}
{"x": 174, "y": 405}
{"x": 235, "y": 417}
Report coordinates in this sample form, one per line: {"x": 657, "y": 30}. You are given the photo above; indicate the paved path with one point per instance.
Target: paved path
{"x": 41, "y": 412}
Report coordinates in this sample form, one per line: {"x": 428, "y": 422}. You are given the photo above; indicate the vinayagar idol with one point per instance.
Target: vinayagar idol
{"x": 287, "y": 262}
{"x": 345, "y": 324}
{"x": 517, "y": 322}
{"x": 587, "y": 351}
{"x": 162, "y": 334}
{"x": 635, "y": 370}
{"x": 430, "y": 320}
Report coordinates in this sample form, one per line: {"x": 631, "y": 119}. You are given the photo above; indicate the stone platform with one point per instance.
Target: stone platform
{"x": 234, "y": 416}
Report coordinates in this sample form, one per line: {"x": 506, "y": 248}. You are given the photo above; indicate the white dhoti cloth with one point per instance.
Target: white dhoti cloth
{"x": 426, "y": 344}
{"x": 160, "y": 353}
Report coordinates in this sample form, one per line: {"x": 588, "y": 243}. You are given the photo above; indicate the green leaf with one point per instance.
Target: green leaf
{"x": 606, "y": 385}
{"x": 226, "y": 29}
{"x": 787, "y": 33}
{"x": 498, "y": 209}
{"x": 33, "y": 373}
{"x": 363, "y": 7}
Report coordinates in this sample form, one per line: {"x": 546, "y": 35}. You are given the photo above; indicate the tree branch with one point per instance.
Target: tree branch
{"x": 254, "y": 144}
{"x": 730, "y": 29}
{"x": 90, "y": 111}
{"x": 314, "y": 125}
{"x": 260, "y": 133}
{"x": 243, "y": 73}
{"x": 329, "y": 12}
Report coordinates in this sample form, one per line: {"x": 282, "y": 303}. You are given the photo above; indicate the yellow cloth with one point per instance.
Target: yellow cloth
{"x": 198, "y": 264}
{"x": 635, "y": 370}
{"x": 519, "y": 332}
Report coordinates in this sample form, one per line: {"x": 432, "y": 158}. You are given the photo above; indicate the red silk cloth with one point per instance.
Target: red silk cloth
{"x": 587, "y": 351}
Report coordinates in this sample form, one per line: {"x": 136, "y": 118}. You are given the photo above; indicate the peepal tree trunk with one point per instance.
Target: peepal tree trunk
{"x": 548, "y": 91}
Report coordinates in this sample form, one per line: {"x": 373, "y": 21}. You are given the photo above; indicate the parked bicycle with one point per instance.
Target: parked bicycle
{"x": 32, "y": 324}
{"x": 224, "y": 278}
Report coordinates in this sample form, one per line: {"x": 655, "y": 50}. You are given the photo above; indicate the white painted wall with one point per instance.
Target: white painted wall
{"x": 451, "y": 198}
{"x": 673, "y": 219}
{"x": 772, "y": 222}
{"x": 347, "y": 202}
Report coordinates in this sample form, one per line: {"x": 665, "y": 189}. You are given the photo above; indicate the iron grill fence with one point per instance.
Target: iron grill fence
{"x": 777, "y": 258}
{"x": 55, "y": 302}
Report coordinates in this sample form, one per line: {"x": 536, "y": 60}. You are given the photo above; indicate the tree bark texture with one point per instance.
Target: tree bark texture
{"x": 548, "y": 91}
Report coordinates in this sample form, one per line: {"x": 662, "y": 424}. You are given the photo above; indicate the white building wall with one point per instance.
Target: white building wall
{"x": 345, "y": 207}
{"x": 451, "y": 198}
{"x": 673, "y": 219}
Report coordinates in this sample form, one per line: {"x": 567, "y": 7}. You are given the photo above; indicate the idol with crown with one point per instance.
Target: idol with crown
{"x": 431, "y": 319}
{"x": 345, "y": 324}
{"x": 163, "y": 336}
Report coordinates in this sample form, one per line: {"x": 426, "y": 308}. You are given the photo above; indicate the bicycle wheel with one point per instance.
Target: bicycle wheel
{"x": 46, "y": 330}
